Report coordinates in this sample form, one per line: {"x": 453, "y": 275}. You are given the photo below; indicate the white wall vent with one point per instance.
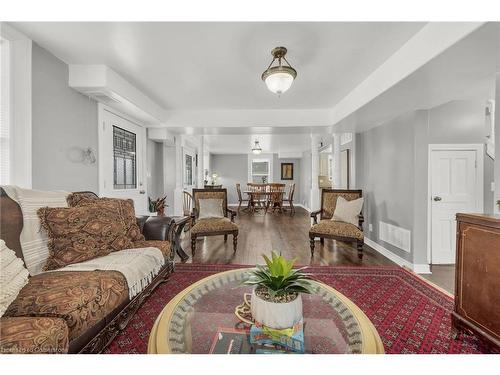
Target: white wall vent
{"x": 396, "y": 236}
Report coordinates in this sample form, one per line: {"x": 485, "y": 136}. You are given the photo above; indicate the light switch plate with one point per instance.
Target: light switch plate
{"x": 370, "y": 227}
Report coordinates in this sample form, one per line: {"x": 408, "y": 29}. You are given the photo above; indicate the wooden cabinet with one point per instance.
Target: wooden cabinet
{"x": 477, "y": 277}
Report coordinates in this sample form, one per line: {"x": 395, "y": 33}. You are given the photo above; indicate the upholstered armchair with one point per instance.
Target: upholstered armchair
{"x": 213, "y": 226}
{"x": 337, "y": 230}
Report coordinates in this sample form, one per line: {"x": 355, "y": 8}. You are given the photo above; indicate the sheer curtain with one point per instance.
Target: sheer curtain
{"x": 4, "y": 113}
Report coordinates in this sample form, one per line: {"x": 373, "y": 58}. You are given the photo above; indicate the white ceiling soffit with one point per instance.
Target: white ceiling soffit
{"x": 298, "y": 131}
{"x": 464, "y": 71}
{"x": 106, "y": 86}
{"x": 284, "y": 144}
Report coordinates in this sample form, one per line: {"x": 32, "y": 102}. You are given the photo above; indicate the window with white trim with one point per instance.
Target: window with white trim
{"x": 5, "y": 141}
{"x": 260, "y": 171}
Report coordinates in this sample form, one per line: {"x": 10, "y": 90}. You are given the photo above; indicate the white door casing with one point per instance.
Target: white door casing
{"x": 455, "y": 185}
{"x": 189, "y": 169}
{"x": 108, "y": 119}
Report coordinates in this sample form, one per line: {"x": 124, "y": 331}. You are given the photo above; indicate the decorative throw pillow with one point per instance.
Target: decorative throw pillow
{"x": 210, "y": 208}
{"x": 13, "y": 276}
{"x": 348, "y": 211}
{"x": 77, "y": 234}
{"x": 74, "y": 198}
{"x": 126, "y": 209}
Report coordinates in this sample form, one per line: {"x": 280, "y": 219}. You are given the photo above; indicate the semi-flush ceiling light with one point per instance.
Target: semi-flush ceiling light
{"x": 279, "y": 78}
{"x": 256, "y": 148}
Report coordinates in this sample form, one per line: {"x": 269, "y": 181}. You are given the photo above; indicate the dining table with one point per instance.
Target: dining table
{"x": 255, "y": 196}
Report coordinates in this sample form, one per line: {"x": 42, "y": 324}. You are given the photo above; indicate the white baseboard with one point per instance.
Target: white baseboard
{"x": 422, "y": 268}
{"x": 388, "y": 254}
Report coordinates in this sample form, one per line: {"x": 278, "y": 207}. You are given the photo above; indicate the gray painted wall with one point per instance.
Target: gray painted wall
{"x": 296, "y": 174}
{"x": 154, "y": 165}
{"x": 231, "y": 169}
{"x": 385, "y": 173}
{"x": 63, "y": 123}
{"x": 392, "y": 167}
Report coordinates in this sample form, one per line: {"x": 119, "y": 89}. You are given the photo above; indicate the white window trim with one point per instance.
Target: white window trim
{"x": 269, "y": 160}
{"x": 20, "y": 91}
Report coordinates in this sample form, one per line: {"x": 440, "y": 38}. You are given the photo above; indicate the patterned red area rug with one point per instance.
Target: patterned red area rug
{"x": 410, "y": 315}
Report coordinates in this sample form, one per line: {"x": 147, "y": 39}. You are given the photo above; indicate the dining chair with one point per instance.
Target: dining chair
{"x": 187, "y": 203}
{"x": 275, "y": 198}
{"x": 257, "y": 199}
{"x": 240, "y": 197}
{"x": 289, "y": 199}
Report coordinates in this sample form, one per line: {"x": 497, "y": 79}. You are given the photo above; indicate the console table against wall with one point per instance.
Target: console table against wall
{"x": 477, "y": 277}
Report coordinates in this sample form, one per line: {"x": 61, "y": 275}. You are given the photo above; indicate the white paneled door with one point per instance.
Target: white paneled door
{"x": 454, "y": 188}
{"x": 122, "y": 146}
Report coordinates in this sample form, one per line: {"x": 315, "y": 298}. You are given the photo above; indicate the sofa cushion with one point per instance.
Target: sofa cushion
{"x": 82, "y": 299}
{"x": 163, "y": 246}
{"x": 36, "y": 335}
{"x": 213, "y": 225}
{"x": 336, "y": 228}
{"x": 124, "y": 206}
{"x": 77, "y": 234}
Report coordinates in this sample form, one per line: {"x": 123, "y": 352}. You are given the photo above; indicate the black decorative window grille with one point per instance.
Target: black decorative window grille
{"x": 124, "y": 159}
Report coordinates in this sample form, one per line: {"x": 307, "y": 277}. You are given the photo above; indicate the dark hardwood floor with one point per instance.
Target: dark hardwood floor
{"x": 260, "y": 233}
{"x": 443, "y": 276}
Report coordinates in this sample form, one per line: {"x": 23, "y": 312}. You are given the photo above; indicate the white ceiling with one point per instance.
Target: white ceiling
{"x": 207, "y": 75}
{"x": 217, "y": 65}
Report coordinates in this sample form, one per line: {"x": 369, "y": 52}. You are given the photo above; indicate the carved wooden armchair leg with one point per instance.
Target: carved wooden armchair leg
{"x": 322, "y": 240}
{"x": 193, "y": 244}
{"x": 225, "y": 238}
{"x": 235, "y": 241}
{"x": 359, "y": 246}
{"x": 311, "y": 243}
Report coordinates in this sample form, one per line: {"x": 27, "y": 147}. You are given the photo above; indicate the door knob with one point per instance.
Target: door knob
{"x": 437, "y": 199}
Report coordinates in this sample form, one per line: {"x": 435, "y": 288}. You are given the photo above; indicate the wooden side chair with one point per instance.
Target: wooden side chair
{"x": 337, "y": 230}
{"x": 212, "y": 226}
{"x": 275, "y": 198}
{"x": 241, "y": 200}
{"x": 289, "y": 199}
{"x": 187, "y": 203}
{"x": 257, "y": 199}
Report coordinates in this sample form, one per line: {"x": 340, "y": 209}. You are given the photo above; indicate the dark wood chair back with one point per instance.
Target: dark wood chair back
{"x": 291, "y": 192}
{"x": 238, "y": 190}
{"x": 187, "y": 203}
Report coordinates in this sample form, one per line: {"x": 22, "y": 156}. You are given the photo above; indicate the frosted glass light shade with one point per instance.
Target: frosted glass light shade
{"x": 279, "y": 82}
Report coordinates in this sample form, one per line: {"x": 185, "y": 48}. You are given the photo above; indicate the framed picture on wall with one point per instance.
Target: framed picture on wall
{"x": 287, "y": 171}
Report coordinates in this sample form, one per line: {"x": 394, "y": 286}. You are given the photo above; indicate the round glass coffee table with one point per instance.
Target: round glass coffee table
{"x": 192, "y": 320}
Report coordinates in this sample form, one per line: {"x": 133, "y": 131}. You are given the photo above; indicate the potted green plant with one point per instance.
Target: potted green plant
{"x": 276, "y": 301}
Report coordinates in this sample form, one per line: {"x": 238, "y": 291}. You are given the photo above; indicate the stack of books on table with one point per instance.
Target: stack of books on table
{"x": 269, "y": 341}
